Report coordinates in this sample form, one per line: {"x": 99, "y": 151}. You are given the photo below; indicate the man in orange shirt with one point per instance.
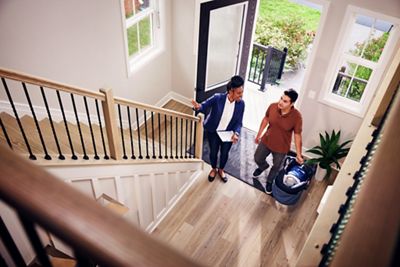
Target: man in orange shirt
{"x": 283, "y": 119}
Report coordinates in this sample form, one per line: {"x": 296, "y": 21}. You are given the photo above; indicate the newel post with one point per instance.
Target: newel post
{"x": 111, "y": 124}
{"x": 199, "y": 138}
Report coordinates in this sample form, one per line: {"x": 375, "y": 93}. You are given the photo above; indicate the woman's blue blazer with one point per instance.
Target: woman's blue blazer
{"x": 216, "y": 105}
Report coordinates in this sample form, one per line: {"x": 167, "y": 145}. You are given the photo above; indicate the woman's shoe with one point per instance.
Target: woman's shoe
{"x": 211, "y": 178}
{"x": 223, "y": 177}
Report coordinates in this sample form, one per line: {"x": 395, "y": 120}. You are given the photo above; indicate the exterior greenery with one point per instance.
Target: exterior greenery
{"x": 144, "y": 36}
{"x": 373, "y": 50}
{"x": 285, "y": 24}
{"x": 329, "y": 151}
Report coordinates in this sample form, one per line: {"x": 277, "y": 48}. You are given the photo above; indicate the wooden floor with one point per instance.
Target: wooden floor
{"x": 234, "y": 224}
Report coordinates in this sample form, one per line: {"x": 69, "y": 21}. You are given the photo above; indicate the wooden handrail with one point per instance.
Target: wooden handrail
{"x": 17, "y": 76}
{"x": 79, "y": 221}
{"x": 130, "y": 103}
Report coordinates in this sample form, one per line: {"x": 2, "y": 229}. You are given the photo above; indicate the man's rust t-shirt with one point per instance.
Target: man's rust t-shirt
{"x": 280, "y": 128}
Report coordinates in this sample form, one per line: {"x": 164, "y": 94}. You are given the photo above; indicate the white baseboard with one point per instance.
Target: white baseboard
{"x": 173, "y": 96}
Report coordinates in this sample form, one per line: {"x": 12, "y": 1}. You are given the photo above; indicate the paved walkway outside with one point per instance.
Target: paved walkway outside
{"x": 257, "y": 101}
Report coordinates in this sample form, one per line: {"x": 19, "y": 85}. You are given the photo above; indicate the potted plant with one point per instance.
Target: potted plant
{"x": 329, "y": 151}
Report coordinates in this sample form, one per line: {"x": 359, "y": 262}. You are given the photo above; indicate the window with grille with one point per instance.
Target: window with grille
{"x": 141, "y": 27}
{"x": 365, "y": 50}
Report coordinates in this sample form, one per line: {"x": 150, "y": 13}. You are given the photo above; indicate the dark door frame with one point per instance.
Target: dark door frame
{"x": 205, "y": 9}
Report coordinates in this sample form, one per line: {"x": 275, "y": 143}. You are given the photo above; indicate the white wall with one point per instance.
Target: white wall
{"x": 184, "y": 59}
{"x": 80, "y": 43}
{"x": 318, "y": 116}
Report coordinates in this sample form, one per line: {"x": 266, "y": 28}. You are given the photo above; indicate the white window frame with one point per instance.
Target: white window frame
{"x": 347, "y": 105}
{"x": 135, "y": 61}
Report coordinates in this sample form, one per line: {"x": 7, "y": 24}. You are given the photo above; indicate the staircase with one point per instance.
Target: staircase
{"x": 144, "y": 157}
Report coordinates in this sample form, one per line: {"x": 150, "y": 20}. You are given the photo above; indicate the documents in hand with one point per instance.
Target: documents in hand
{"x": 226, "y": 136}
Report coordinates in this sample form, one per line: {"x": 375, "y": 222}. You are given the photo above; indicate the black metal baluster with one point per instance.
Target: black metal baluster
{"x": 60, "y": 155}
{"x": 176, "y": 137}
{"x": 5, "y": 134}
{"x": 181, "y": 138}
{"x": 130, "y": 132}
{"x": 138, "y": 131}
{"x": 10, "y": 245}
{"x": 159, "y": 136}
{"x": 257, "y": 52}
{"x": 122, "y": 132}
{"x": 85, "y": 156}
{"x": 194, "y": 139}
{"x": 262, "y": 64}
{"x": 91, "y": 129}
{"x": 31, "y": 156}
{"x": 35, "y": 241}
{"x": 190, "y": 142}
{"x": 145, "y": 131}
{"x": 186, "y": 143}
{"x": 166, "y": 136}
{"x": 101, "y": 131}
{"x": 46, "y": 154}
{"x": 74, "y": 157}
{"x": 171, "y": 150}
{"x": 152, "y": 134}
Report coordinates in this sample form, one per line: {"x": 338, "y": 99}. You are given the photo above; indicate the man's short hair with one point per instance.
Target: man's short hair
{"x": 292, "y": 94}
{"x": 235, "y": 82}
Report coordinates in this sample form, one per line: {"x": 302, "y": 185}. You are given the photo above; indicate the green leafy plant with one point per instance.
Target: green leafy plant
{"x": 287, "y": 32}
{"x": 329, "y": 151}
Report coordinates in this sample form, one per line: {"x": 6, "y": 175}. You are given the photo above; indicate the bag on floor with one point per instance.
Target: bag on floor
{"x": 291, "y": 181}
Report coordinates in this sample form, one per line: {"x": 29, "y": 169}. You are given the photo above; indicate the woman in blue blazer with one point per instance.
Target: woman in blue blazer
{"x": 226, "y": 114}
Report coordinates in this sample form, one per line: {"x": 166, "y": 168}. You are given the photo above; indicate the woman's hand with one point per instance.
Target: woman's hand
{"x": 235, "y": 138}
{"x": 196, "y": 105}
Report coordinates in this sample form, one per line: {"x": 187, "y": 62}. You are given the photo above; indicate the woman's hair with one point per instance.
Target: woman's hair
{"x": 292, "y": 94}
{"x": 235, "y": 82}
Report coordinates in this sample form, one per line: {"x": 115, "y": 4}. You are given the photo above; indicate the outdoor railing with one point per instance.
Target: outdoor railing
{"x": 67, "y": 121}
{"x": 266, "y": 65}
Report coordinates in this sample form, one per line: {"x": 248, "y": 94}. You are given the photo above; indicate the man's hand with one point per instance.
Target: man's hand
{"x": 235, "y": 138}
{"x": 257, "y": 140}
{"x": 299, "y": 159}
{"x": 196, "y": 105}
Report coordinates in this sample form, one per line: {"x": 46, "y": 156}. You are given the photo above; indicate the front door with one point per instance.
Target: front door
{"x": 224, "y": 42}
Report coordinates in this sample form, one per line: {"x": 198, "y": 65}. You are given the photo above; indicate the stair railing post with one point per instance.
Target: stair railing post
{"x": 199, "y": 138}
{"x": 111, "y": 124}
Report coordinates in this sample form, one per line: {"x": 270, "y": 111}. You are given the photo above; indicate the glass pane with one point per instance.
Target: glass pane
{"x": 368, "y": 37}
{"x": 359, "y": 35}
{"x": 363, "y": 73}
{"x": 341, "y": 85}
{"x": 145, "y": 32}
{"x": 133, "y": 39}
{"x": 374, "y": 48}
{"x": 133, "y": 7}
{"x": 223, "y": 43}
{"x": 356, "y": 90}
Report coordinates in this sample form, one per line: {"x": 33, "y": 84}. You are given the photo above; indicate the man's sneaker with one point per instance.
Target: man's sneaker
{"x": 257, "y": 172}
{"x": 268, "y": 188}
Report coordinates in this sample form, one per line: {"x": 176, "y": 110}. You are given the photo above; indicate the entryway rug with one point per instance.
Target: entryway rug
{"x": 241, "y": 163}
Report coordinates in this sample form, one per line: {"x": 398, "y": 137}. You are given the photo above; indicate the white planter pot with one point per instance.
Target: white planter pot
{"x": 320, "y": 174}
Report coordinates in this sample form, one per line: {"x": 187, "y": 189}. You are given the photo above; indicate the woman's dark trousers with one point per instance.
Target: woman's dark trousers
{"x": 217, "y": 145}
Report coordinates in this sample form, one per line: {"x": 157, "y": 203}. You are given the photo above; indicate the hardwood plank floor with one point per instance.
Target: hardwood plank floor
{"x": 234, "y": 224}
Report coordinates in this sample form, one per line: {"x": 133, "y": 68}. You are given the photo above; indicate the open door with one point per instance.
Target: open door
{"x": 225, "y": 33}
